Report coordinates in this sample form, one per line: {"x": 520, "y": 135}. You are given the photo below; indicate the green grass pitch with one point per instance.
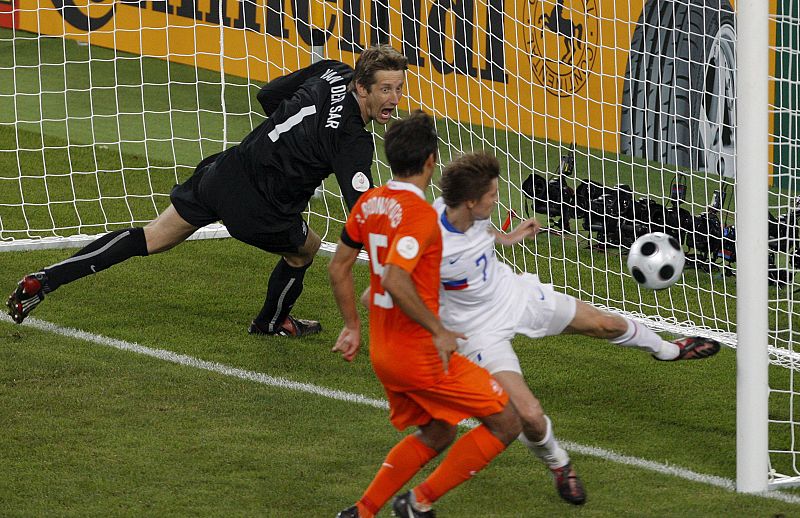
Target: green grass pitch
{"x": 90, "y": 430}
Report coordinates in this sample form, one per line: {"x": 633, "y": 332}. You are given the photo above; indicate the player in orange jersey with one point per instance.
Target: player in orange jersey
{"x": 428, "y": 385}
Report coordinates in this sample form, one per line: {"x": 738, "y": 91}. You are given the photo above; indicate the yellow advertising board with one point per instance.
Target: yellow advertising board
{"x": 588, "y": 72}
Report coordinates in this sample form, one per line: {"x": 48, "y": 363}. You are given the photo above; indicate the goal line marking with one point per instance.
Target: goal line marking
{"x": 265, "y": 379}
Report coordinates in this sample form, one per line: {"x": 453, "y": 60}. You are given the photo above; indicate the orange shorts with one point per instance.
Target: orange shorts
{"x": 466, "y": 391}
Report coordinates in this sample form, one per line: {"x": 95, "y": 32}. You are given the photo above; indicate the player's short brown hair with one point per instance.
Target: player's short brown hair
{"x": 468, "y": 178}
{"x": 376, "y": 59}
{"x": 409, "y": 142}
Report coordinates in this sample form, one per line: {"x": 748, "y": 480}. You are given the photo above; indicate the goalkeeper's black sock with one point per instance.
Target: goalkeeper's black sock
{"x": 101, "y": 253}
{"x": 284, "y": 288}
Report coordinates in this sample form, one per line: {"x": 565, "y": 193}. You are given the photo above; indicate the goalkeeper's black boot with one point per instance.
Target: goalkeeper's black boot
{"x": 404, "y": 508}
{"x": 29, "y": 294}
{"x": 350, "y": 512}
{"x": 694, "y": 348}
{"x": 294, "y": 327}
{"x": 568, "y": 485}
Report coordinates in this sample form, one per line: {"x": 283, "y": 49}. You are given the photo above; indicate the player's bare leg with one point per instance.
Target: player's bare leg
{"x": 591, "y": 321}
{"x": 166, "y": 231}
{"x": 537, "y": 435}
{"x": 284, "y": 288}
{"x": 163, "y": 233}
{"x": 437, "y": 435}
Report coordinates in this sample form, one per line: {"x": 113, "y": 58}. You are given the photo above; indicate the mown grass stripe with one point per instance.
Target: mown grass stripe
{"x": 258, "y": 377}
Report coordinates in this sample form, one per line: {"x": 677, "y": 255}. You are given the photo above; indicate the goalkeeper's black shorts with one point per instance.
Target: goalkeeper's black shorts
{"x": 218, "y": 193}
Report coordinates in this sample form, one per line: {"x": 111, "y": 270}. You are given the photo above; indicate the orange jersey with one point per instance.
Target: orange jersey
{"x": 397, "y": 226}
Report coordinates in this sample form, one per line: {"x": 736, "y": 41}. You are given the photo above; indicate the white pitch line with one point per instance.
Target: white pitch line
{"x": 264, "y": 379}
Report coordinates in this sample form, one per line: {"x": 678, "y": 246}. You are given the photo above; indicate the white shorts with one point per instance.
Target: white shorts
{"x": 546, "y": 313}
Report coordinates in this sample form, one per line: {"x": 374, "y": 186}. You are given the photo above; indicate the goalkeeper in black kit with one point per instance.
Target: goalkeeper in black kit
{"x": 260, "y": 187}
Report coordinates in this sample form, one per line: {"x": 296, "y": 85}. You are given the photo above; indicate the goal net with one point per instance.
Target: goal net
{"x": 612, "y": 119}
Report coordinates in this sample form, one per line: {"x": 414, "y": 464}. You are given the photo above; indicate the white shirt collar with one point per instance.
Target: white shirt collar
{"x": 397, "y": 185}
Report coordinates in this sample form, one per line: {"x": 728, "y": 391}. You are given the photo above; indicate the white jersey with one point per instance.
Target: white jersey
{"x": 478, "y": 292}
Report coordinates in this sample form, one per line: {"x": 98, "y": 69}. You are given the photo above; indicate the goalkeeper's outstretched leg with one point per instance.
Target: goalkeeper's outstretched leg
{"x": 261, "y": 187}
{"x": 163, "y": 233}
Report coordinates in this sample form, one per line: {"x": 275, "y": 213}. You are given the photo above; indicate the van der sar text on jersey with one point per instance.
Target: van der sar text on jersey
{"x": 337, "y": 96}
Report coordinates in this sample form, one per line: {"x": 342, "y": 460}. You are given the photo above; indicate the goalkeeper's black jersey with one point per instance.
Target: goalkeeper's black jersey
{"x": 314, "y": 128}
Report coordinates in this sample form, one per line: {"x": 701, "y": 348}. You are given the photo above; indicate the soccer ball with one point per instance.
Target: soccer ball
{"x": 656, "y": 260}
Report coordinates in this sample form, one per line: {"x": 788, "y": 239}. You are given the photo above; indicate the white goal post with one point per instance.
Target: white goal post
{"x": 752, "y": 384}
{"x": 611, "y": 117}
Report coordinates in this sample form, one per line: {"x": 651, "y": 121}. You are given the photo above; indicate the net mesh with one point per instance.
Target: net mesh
{"x": 611, "y": 119}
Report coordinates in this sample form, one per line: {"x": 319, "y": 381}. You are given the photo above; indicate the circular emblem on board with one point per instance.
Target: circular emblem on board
{"x": 561, "y": 37}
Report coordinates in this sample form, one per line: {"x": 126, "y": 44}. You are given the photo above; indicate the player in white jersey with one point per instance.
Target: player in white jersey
{"x": 484, "y": 299}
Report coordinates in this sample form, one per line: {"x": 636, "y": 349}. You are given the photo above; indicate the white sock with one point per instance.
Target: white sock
{"x": 548, "y": 449}
{"x": 416, "y": 505}
{"x": 643, "y": 337}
